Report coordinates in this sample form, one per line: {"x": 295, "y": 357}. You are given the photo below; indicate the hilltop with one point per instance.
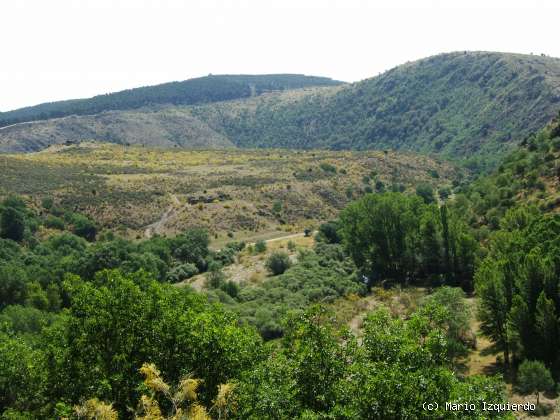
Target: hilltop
{"x": 474, "y": 105}
{"x": 199, "y": 90}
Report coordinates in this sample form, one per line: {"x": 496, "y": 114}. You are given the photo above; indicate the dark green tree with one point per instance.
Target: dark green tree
{"x": 12, "y": 224}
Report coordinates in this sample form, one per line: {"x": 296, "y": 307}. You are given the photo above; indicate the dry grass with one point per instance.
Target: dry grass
{"x": 235, "y": 194}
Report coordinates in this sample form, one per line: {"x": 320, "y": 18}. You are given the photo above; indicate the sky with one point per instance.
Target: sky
{"x": 62, "y": 49}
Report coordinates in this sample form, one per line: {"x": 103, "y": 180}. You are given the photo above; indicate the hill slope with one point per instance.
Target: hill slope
{"x": 473, "y": 105}
{"x": 241, "y": 191}
{"x": 193, "y": 91}
{"x": 528, "y": 175}
{"x": 456, "y": 104}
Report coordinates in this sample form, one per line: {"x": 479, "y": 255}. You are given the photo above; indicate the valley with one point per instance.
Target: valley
{"x": 286, "y": 246}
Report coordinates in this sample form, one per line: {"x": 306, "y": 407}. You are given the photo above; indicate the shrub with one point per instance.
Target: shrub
{"x": 426, "y": 192}
{"x": 215, "y": 277}
{"x": 533, "y": 378}
{"x": 278, "y": 263}
{"x": 329, "y": 232}
{"x": 181, "y": 272}
{"x": 47, "y": 203}
{"x": 260, "y": 246}
{"x": 231, "y": 288}
{"x": 83, "y": 227}
{"x": 53, "y": 222}
{"x": 277, "y": 207}
{"x": 327, "y": 167}
{"x": 12, "y": 224}
{"x": 444, "y": 193}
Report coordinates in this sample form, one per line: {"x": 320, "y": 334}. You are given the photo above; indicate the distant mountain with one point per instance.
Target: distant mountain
{"x": 464, "y": 105}
{"x": 189, "y": 92}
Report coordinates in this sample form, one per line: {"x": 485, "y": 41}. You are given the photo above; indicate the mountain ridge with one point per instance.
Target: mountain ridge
{"x": 187, "y": 92}
{"x": 460, "y": 105}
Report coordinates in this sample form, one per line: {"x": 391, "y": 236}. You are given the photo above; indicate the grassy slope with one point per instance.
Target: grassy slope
{"x": 224, "y": 190}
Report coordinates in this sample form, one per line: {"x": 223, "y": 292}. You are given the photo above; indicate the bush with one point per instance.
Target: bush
{"x": 327, "y": 167}
{"x": 277, "y": 207}
{"x": 230, "y": 288}
{"x": 426, "y": 192}
{"x": 260, "y": 246}
{"x": 12, "y": 224}
{"x": 47, "y": 203}
{"x": 181, "y": 272}
{"x": 444, "y": 193}
{"x": 83, "y": 227}
{"x": 278, "y": 263}
{"x": 329, "y": 232}
{"x": 53, "y": 222}
{"x": 533, "y": 378}
{"x": 215, "y": 277}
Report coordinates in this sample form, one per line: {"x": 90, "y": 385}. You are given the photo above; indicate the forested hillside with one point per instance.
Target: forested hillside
{"x": 529, "y": 175}
{"x": 463, "y": 105}
{"x": 193, "y": 91}
{"x": 456, "y": 104}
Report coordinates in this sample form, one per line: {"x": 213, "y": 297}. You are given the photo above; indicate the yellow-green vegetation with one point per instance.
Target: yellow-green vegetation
{"x": 234, "y": 194}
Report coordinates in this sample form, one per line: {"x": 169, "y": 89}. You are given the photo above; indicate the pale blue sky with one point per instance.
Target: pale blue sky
{"x": 60, "y": 49}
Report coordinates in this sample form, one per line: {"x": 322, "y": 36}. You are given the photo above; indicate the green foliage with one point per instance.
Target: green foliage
{"x": 454, "y": 318}
{"x": 181, "y": 272}
{"x": 397, "y": 237}
{"x": 12, "y": 223}
{"x": 322, "y": 372}
{"x": 328, "y": 232}
{"x": 278, "y": 262}
{"x": 118, "y": 322}
{"x": 260, "y": 246}
{"x": 215, "y": 277}
{"x": 191, "y": 247}
{"x": 426, "y": 192}
{"x": 13, "y": 285}
{"x": 533, "y": 378}
{"x": 528, "y": 174}
{"x": 320, "y": 276}
{"x": 432, "y": 106}
{"x": 277, "y": 207}
{"x": 327, "y": 167}
{"x": 22, "y": 379}
{"x": 54, "y": 222}
{"x": 84, "y": 227}
{"x": 517, "y": 284}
